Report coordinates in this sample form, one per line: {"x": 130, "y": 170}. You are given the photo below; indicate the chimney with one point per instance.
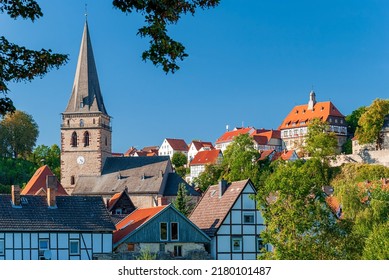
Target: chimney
{"x": 16, "y": 196}
{"x": 51, "y": 185}
{"x": 222, "y": 187}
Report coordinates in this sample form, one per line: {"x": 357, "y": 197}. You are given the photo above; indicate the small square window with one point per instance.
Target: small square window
{"x": 236, "y": 244}
{"x": 43, "y": 244}
{"x": 118, "y": 211}
{"x": 131, "y": 247}
{"x": 248, "y": 218}
{"x": 74, "y": 247}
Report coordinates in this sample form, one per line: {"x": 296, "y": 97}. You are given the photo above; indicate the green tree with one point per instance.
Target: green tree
{"x": 210, "y": 176}
{"x": 377, "y": 244}
{"x": 371, "y": 122}
{"x": 179, "y": 159}
{"x": 18, "y": 63}
{"x": 353, "y": 119}
{"x": 183, "y": 200}
{"x": 15, "y": 171}
{"x": 299, "y": 223}
{"x": 320, "y": 142}
{"x": 163, "y": 50}
{"x": 365, "y": 206}
{"x": 47, "y": 155}
{"x": 18, "y": 132}
{"x": 240, "y": 160}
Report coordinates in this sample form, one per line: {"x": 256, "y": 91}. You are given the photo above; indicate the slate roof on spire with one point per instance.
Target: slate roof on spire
{"x": 86, "y": 95}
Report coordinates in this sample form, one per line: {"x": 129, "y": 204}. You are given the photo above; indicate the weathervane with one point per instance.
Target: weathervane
{"x": 86, "y": 11}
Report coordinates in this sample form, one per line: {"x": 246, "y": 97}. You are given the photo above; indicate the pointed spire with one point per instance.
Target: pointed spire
{"x": 86, "y": 95}
{"x": 312, "y": 100}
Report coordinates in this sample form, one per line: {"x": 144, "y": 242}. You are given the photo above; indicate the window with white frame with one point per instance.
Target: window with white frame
{"x": 74, "y": 247}
{"x": 2, "y": 249}
{"x": 236, "y": 244}
{"x": 163, "y": 231}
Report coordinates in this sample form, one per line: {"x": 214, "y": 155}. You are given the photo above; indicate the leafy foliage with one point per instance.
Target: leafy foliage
{"x": 17, "y": 63}
{"x": 365, "y": 206}
{"x": 18, "y": 134}
{"x": 15, "y": 172}
{"x": 353, "y": 119}
{"x": 240, "y": 160}
{"x": 163, "y": 51}
{"x": 179, "y": 159}
{"x": 300, "y": 224}
{"x": 210, "y": 176}
{"x": 371, "y": 122}
{"x": 183, "y": 200}
{"x": 47, "y": 155}
{"x": 320, "y": 142}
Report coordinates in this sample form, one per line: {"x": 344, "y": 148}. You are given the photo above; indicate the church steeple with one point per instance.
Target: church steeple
{"x": 86, "y": 95}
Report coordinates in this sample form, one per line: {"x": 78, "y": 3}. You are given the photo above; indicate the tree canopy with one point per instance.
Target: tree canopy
{"x": 50, "y": 156}
{"x": 371, "y": 122}
{"x": 183, "y": 201}
{"x": 320, "y": 142}
{"x": 299, "y": 223}
{"x": 18, "y": 134}
{"x": 17, "y": 63}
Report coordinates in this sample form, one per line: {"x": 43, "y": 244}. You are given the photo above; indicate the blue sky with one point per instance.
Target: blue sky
{"x": 249, "y": 62}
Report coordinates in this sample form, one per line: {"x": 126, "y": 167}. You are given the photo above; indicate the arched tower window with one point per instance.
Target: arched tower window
{"x": 81, "y": 123}
{"x": 106, "y": 141}
{"x": 86, "y": 138}
{"x": 74, "y": 139}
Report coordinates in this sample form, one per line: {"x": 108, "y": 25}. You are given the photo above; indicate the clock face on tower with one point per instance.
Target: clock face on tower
{"x": 80, "y": 160}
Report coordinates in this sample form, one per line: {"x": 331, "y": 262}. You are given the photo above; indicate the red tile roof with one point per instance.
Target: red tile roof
{"x": 212, "y": 209}
{"x": 177, "y": 144}
{"x": 229, "y": 135}
{"x": 134, "y": 221}
{"x": 300, "y": 113}
{"x": 200, "y": 144}
{"x": 130, "y": 151}
{"x": 117, "y": 154}
{"x": 265, "y": 154}
{"x": 205, "y": 157}
{"x": 37, "y": 183}
{"x": 284, "y": 155}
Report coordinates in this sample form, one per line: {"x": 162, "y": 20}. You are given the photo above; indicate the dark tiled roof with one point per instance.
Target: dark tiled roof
{"x": 212, "y": 209}
{"x": 138, "y": 174}
{"x": 73, "y": 213}
{"x": 114, "y": 164}
{"x": 173, "y": 181}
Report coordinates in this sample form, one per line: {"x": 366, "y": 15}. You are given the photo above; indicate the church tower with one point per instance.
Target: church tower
{"x": 86, "y": 134}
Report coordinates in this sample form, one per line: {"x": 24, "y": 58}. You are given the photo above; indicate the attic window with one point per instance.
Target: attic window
{"x": 297, "y": 111}
{"x": 213, "y": 193}
{"x": 304, "y": 111}
{"x": 24, "y": 200}
{"x": 322, "y": 108}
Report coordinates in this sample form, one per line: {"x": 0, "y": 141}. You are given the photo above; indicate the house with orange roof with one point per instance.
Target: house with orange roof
{"x": 120, "y": 204}
{"x": 228, "y": 137}
{"x": 202, "y": 159}
{"x": 268, "y": 140}
{"x": 37, "y": 183}
{"x": 171, "y": 146}
{"x": 228, "y": 214}
{"x": 160, "y": 230}
{"x": 286, "y": 155}
{"x": 197, "y": 146}
{"x": 294, "y": 127}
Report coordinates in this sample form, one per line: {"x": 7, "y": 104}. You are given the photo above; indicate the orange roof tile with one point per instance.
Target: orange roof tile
{"x": 177, "y": 144}
{"x": 130, "y": 152}
{"x": 113, "y": 199}
{"x": 265, "y": 154}
{"x": 229, "y": 135}
{"x": 37, "y": 183}
{"x": 300, "y": 113}
{"x": 284, "y": 155}
{"x": 134, "y": 221}
{"x": 205, "y": 157}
